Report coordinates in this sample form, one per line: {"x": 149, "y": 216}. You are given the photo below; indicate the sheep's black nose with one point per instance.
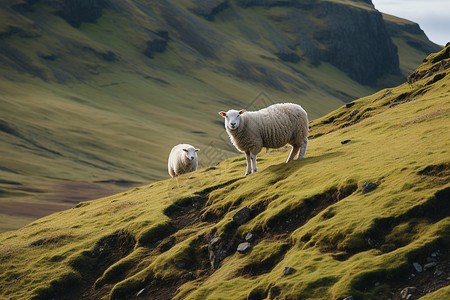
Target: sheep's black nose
{"x": 192, "y": 157}
{"x": 232, "y": 124}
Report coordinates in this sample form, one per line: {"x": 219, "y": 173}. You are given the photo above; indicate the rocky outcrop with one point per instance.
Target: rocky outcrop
{"x": 357, "y": 42}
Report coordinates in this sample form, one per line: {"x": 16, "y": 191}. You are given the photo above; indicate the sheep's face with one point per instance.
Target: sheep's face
{"x": 191, "y": 152}
{"x": 232, "y": 118}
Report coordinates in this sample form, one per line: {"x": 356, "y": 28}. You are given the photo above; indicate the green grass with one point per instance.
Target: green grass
{"x": 84, "y": 120}
{"x": 310, "y": 215}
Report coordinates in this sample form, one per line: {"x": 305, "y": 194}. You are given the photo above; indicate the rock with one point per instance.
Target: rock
{"x": 348, "y": 298}
{"x": 371, "y": 242}
{"x": 418, "y": 267}
{"x": 429, "y": 266}
{"x": 408, "y": 291}
{"x": 216, "y": 252}
{"x": 244, "y": 247}
{"x": 242, "y": 216}
{"x": 386, "y": 94}
{"x": 249, "y": 237}
{"x": 431, "y": 259}
{"x": 140, "y": 292}
{"x": 214, "y": 241}
{"x": 427, "y": 75}
{"x": 345, "y": 142}
{"x": 348, "y": 105}
{"x": 288, "y": 271}
{"x": 368, "y": 187}
{"x": 354, "y": 112}
{"x": 188, "y": 276}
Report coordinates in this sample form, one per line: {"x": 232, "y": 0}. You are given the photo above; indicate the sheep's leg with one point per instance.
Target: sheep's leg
{"x": 253, "y": 156}
{"x": 294, "y": 152}
{"x": 303, "y": 150}
{"x": 249, "y": 163}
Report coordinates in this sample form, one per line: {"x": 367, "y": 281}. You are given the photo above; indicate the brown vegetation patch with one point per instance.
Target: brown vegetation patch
{"x": 441, "y": 170}
{"x": 425, "y": 117}
{"x": 292, "y": 218}
{"x": 29, "y": 210}
{"x": 428, "y": 281}
{"x": 388, "y": 234}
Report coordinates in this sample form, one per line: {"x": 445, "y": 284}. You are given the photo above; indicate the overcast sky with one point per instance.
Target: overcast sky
{"x": 433, "y": 16}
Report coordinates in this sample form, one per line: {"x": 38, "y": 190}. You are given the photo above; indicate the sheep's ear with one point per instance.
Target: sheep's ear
{"x": 196, "y": 150}
{"x": 222, "y": 113}
{"x": 242, "y": 111}
{"x": 185, "y": 150}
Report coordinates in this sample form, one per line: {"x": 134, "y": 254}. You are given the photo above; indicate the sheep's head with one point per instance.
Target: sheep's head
{"x": 232, "y": 118}
{"x": 191, "y": 152}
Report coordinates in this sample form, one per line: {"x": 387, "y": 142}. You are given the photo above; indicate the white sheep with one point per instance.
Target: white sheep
{"x": 182, "y": 159}
{"x": 270, "y": 127}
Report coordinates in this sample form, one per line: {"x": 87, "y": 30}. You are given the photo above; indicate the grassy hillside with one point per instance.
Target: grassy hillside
{"x": 158, "y": 241}
{"x": 90, "y": 110}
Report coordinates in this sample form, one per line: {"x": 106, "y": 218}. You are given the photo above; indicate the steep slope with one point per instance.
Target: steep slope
{"x": 178, "y": 238}
{"x": 93, "y": 94}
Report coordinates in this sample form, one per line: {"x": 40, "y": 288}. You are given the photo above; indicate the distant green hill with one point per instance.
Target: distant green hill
{"x": 365, "y": 214}
{"x": 93, "y": 94}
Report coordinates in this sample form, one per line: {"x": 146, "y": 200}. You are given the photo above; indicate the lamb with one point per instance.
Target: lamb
{"x": 270, "y": 127}
{"x": 182, "y": 159}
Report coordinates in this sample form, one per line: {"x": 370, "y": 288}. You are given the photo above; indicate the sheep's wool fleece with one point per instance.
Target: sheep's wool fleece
{"x": 271, "y": 127}
{"x": 178, "y": 162}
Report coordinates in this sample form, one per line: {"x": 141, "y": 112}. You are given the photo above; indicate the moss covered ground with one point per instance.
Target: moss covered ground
{"x": 84, "y": 113}
{"x": 154, "y": 241}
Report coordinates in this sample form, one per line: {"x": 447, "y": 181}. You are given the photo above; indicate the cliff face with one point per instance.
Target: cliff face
{"x": 357, "y": 42}
{"x": 352, "y": 36}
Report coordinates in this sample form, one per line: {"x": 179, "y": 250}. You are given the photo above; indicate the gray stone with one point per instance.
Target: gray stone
{"x": 407, "y": 292}
{"x": 214, "y": 241}
{"x": 386, "y": 94}
{"x": 368, "y": 187}
{"x": 431, "y": 259}
{"x": 354, "y": 112}
{"x": 429, "y": 266}
{"x": 345, "y": 141}
{"x": 348, "y": 105}
{"x": 140, "y": 292}
{"x": 249, "y": 237}
{"x": 417, "y": 266}
{"x": 348, "y": 298}
{"x": 242, "y": 216}
{"x": 244, "y": 247}
{"x": 289, "y": 270}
